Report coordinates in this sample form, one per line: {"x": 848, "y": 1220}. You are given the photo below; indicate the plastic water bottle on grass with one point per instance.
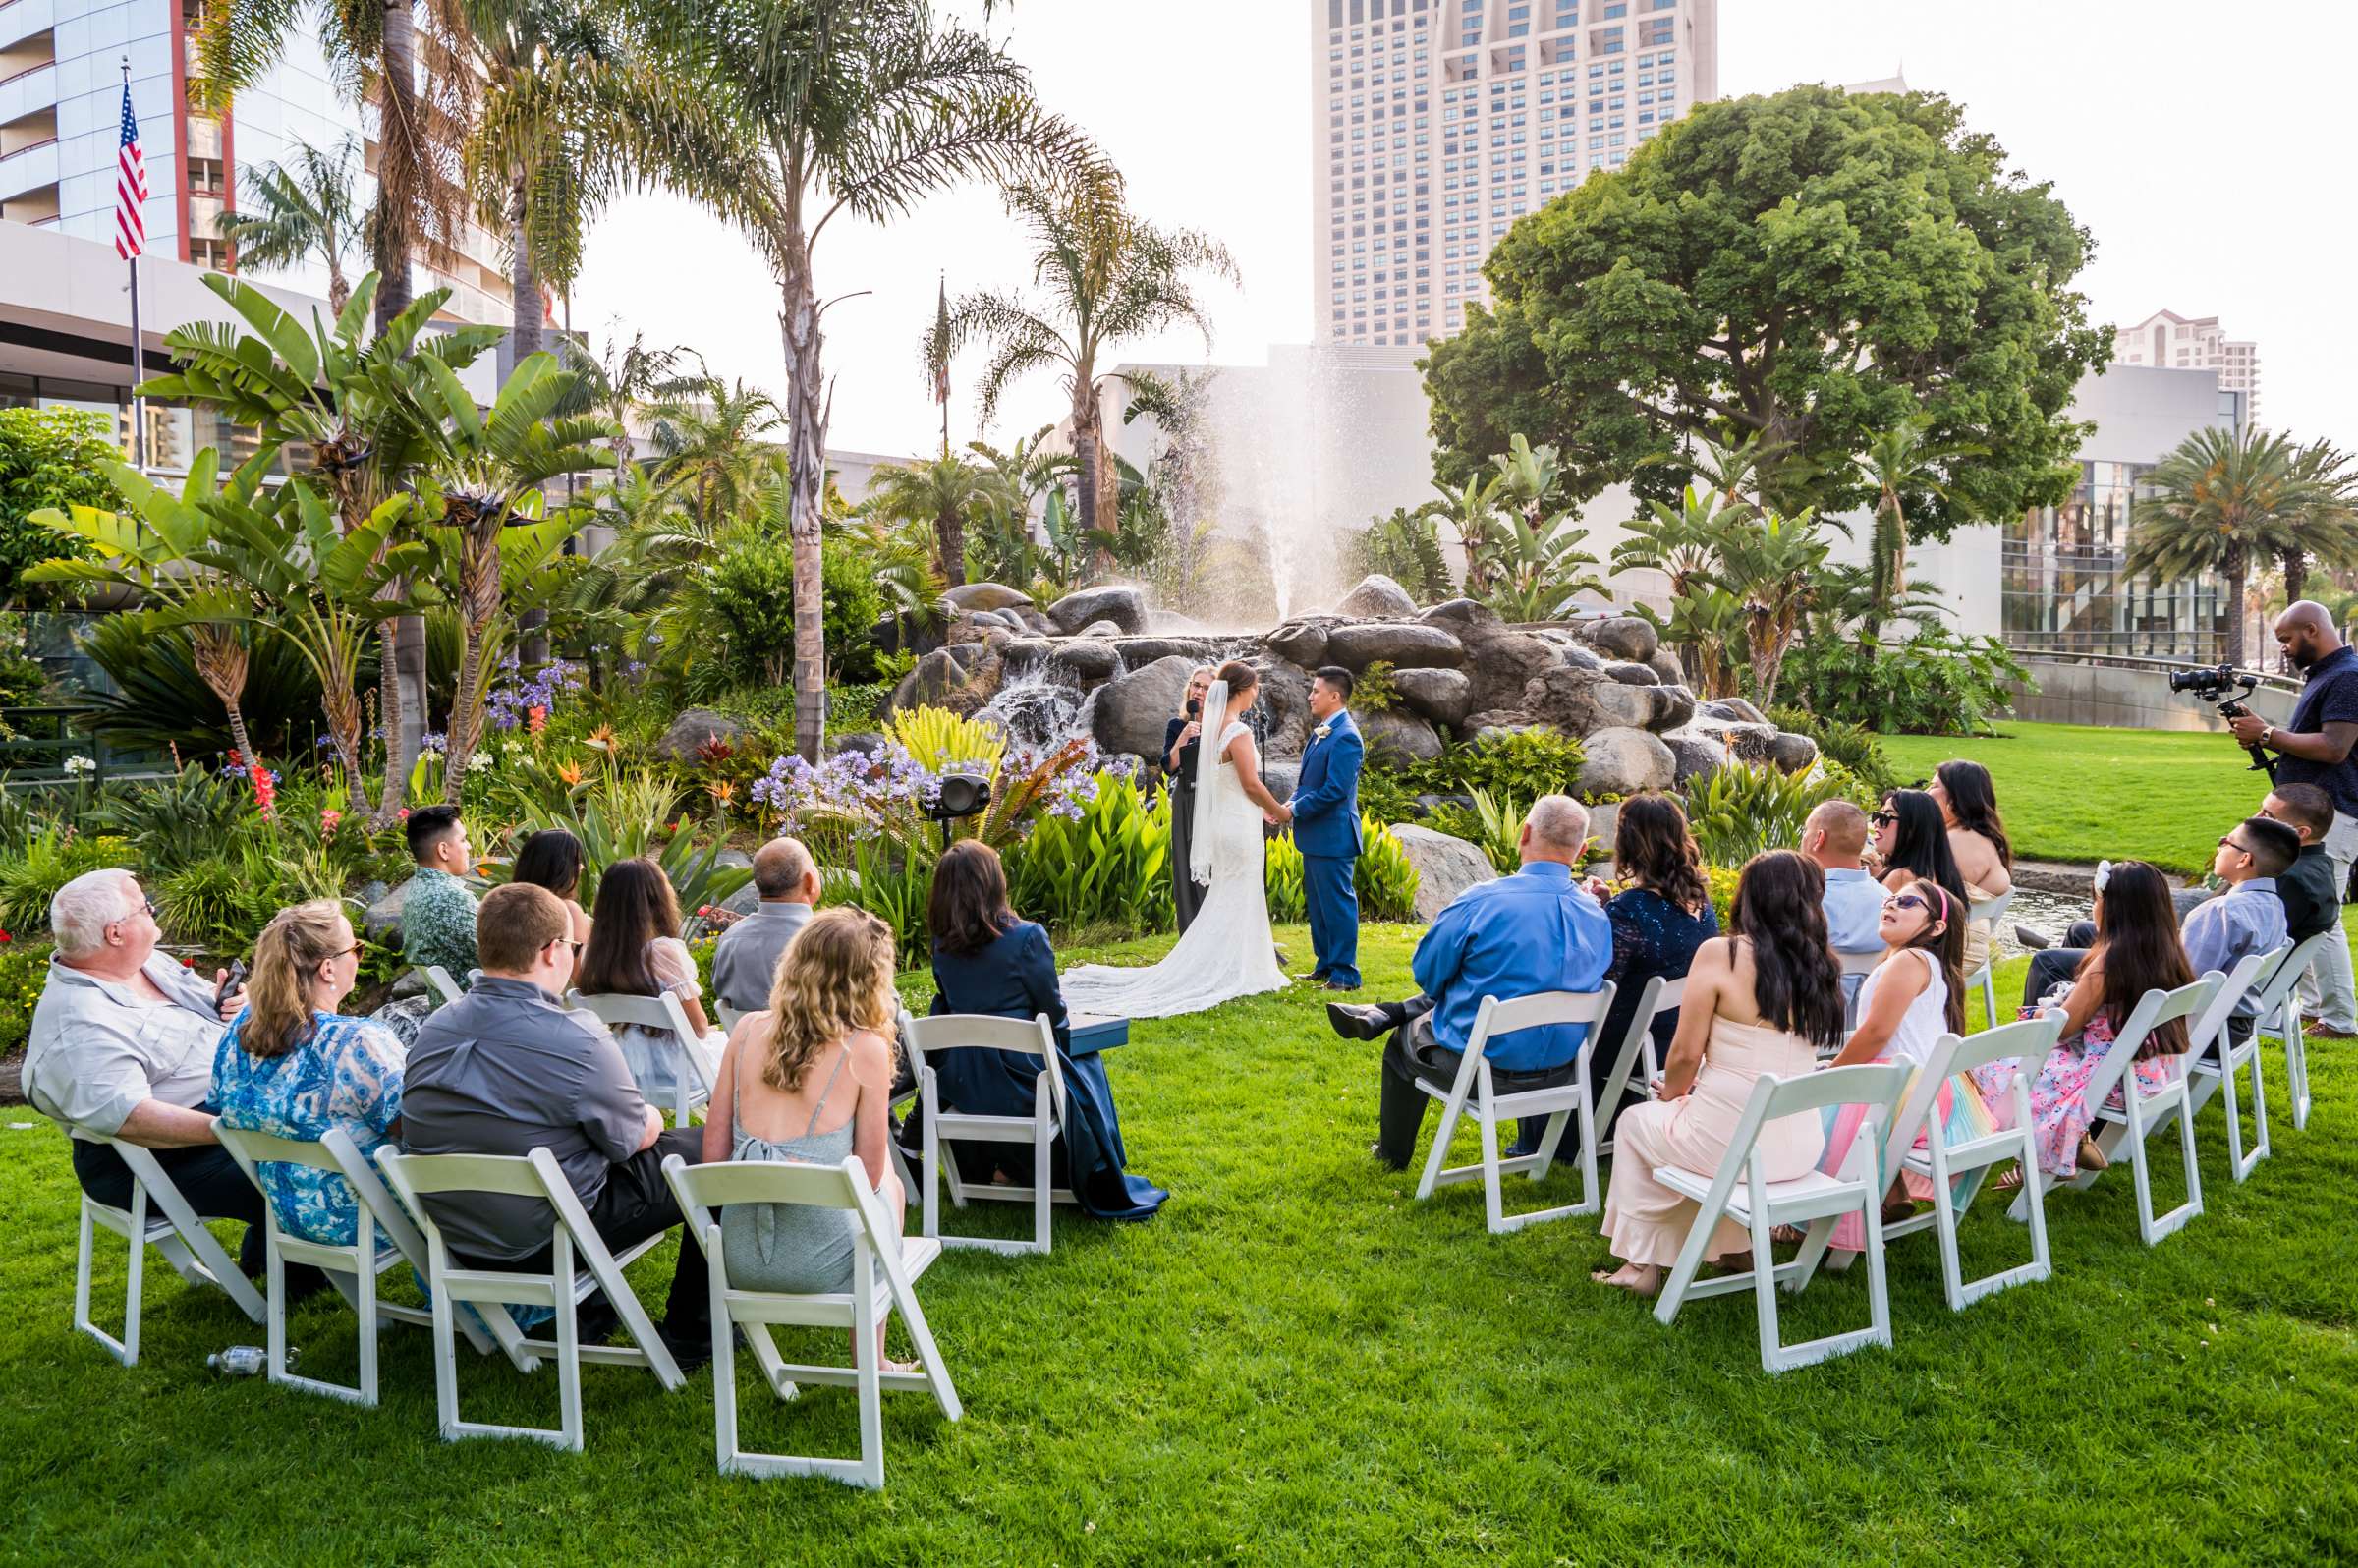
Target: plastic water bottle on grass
{"x": 247, "y": 1361}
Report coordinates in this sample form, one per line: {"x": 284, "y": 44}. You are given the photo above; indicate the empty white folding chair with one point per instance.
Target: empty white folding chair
{"x": 928, "y": 1038}
{"x": 562, "y": 1288}
{"x": 161, "y": 1218}
{"x": 2213, "y": 1069}
{"x": 885, "y": 1266}
{"x": 1633, "y": 1062}
{"x": 699, "y": 1054}
{"x": 1740, "y": 1192}
{"x": 1473, "y": 1088}
{"x": 2280, "y": 1016}
{"x": 1940, "y": 1163}
{"x": 439, "y": 987}
{"x": 2144, "y": 1111}
{"x": 354, "y": 1268}
{"x": 727, "y": 1014}
{"x": 1988, "y": 911}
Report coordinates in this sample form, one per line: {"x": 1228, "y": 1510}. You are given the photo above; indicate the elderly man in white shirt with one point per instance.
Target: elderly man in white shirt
{"x": 121, "y": 1047}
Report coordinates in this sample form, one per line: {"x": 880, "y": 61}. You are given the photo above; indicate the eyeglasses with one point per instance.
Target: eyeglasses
{"x": 147, "y": 908}
{"x": 2230, "y": 843}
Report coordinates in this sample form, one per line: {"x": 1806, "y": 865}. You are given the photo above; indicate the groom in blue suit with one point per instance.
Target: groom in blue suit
{"x": 1324, "y": 812}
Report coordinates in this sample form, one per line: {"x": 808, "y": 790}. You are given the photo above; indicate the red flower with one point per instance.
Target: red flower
{"x": 5, "y": 937}
{"x": 188, "y": 963}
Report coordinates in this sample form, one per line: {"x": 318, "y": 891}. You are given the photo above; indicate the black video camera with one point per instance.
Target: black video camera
{"x": 961, "y": 795}
{"x": 2224, "y": 684}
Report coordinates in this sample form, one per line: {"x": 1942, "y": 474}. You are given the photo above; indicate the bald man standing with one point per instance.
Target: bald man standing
{"x": 2314, "y": 748}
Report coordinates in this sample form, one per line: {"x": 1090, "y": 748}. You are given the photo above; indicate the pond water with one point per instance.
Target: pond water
{"x": 2051, "y": 914}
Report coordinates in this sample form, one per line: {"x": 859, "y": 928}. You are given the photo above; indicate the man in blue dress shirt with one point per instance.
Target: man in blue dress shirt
{"x": 1835, "y": 837}
{"x": 1536, "y": 930}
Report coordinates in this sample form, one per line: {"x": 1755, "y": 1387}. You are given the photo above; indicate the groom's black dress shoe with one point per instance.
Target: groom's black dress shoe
{"x": 1337, "y": 985}
{"x": 1364, "y": 1023}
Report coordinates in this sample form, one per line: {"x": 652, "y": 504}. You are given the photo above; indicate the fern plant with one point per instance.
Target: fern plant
{"x": 1375, "y": 689}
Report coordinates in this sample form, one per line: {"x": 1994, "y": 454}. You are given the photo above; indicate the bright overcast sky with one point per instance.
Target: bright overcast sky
{"x": 2198, "y": 151}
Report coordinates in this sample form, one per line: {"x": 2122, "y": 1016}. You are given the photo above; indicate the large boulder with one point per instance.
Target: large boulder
{"x": 1733, "y": 711}
{"x": 1442, "y": 697}
{"x": 1605, "y": 825}
{"x": 1744, "y": 743}
{"x": 1621, "y": 636}
{"x": 1623, "y": 761}
{"x": 986, "y": 596}
{"x": 1103, "y": 628}
{"x": 1132, "y": 709}
{"x": 1792, "y": 754}
{"x": 1461, "y": 613}
{"x": 1118, "y": 602}
{"x": 939, "y": 681}
{"x": 1089, "y": 658}
{"x": 1400, "y": 738}
{"x": 1674, "y": 707}
{"x": 695, "y": 730}
{"x": 1284, "y": 704}
{"x": 1634, "y": 674}
{"x": 869, "y": 741}
{"x": 383, "y": 920}
{"x": 1137, "y": 650}
{"x": 1666, "y": 664}
{"x": 1493, "y": 723}
{"x": 1302, "y": 642}
{"x": 1580, "y": 700}
{"x": 1024, "y": 654}
{"x": 1697, "y": 756}
{"x": 1377, "y": 599}
{"x": 1281, "y": 775}
{"x": 1034, "y": 622}
{"x": 1404, "y": 645}
{"x": 1446, "y": 866}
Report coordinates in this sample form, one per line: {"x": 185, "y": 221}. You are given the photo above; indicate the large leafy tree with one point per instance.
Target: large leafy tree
{"x": 48, "y": 457}
{"x": 2218, "y": 502}
{"x": 1805, "y": 270}
{"x": 1110, "y": 278}
{"x": 305, "y": 207}
{"x": 813, "y": 110}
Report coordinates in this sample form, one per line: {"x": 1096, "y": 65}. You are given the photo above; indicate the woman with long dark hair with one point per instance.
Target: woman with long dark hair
{"x": 635, "y": 950}
{"x": 2137, "y": 950}
{"x": 1976, "y": 838}
{"x": 1911, "y": 998}
{"x": 989, "y": 960}
{"x": 1762, "y": 1000}
{"x": 1911, "y": 841}
{"x": 552, "y": 858}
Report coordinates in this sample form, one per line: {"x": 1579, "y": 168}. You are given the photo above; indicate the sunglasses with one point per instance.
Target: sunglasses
{"x": 1906, "y": 901}
{"x": 1882, "y": 818}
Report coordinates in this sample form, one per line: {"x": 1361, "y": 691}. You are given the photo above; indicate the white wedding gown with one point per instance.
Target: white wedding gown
{"x": 1228, "y": 951}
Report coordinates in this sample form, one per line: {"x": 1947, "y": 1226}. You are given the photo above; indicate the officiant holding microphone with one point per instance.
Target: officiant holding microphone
{"x": 1181, "y": 739}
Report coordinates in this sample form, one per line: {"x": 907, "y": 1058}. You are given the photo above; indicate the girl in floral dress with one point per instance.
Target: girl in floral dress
{"x": 2137, "y": 950}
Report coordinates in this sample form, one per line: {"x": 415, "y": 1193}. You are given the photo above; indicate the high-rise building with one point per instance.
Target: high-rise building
{"x": 60, "y": 97}
{"x": 1446, "y": 120}
{"x": 2168, "y": 341}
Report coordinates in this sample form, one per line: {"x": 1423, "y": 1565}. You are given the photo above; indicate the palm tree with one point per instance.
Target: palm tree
{"x": 626, "y": 377}
{"x": 827, "y": 107}
{"x": 1539, "y": 568}
{"x": 1112, "y": 278}
{"x": 1473, "y": 512}
{"x": 2219, "y": 500}
{"x": 1902, "y": 462}
{"x": 424, "y": 103}
{"x": 1773, "y": 565}
{"x": 2328, "y": 533}
{"x": 299, "y": 209}
{"x": 712, "y": 444}
{"x": 488, "y": 470}
{"x": 941, "y": 494}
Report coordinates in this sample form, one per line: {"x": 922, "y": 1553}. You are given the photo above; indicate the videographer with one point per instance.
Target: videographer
{"x": 2314, "y": 748}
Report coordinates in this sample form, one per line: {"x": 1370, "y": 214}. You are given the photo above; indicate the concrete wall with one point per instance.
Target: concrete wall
{"x": 2118, "y": 698}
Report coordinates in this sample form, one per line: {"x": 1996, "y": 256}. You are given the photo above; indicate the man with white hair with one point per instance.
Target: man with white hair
{"x": 121, "y": 1047}
{"x": 1536, "y": 930}
{"x": 745, "y": 961}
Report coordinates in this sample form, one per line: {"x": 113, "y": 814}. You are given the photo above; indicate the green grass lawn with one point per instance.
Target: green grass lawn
{"x": 1295, "y": 1363}
{"x": 2073, "y": 792}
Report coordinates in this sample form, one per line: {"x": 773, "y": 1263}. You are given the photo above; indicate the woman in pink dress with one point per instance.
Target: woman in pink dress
{"x": 1761, "y": 1000}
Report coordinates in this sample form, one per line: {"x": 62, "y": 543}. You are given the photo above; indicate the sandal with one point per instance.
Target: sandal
{"x": 2091, "y": 1157}
{"x": 2011, "y": 1182}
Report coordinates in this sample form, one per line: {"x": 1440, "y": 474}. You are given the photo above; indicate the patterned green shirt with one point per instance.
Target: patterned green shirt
{"x": 437, "y": 924}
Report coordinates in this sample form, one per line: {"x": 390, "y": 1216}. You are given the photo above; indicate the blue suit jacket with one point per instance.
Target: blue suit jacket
{"x": 1326, "y": 796}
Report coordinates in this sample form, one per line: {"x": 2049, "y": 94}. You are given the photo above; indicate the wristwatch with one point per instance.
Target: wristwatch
{"x": 2268, "y": 735}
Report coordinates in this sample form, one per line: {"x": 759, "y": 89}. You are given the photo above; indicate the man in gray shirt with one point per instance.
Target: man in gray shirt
{"x": 505, "y": 1070}
{"x": 745, "y": 961}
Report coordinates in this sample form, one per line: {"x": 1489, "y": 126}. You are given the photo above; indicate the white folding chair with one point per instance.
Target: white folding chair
{"x": 2213, "y": 1068}
{"x": 884, "y": 1270}
{"x": 563, "y": 1288}
{"x": 1854, "y": 965}
{"x": 2280, "y": 1016}
{"x": 1474, "y": 1087}
{"x": 692, "y": 1082}
{"x": 1940, "y": 1163}
{"x": 1033, "y": 1036}
{"x": 727, "y": 1014}
{"x": 1739, "y": 1192}
{"x": 161, "y": 1218}
{"x": 1636, "y": 1060}
{"x": 2144, "y": 1113}
{"x": 1990, "y": 912}
{"x": 439, "y": 983}
{"x": 353, "y": 1266}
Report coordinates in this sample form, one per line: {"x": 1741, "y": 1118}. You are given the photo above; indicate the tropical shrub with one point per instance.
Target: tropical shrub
{"x": 49, "y": 458}
{"x": 1524, "y": 764}
{"x": 892, "y": 888}
{"x": 1853, "y": 745}
{"x": 1374, "y": 688}
{"x": 170, "y": 821}
{"x": 753, "y": 606}
{"x": 1281, "y": 878}
{"x": 1935, "y": 683}
{"x": 1405, "y": 547}
{"x": 623, "y": 816}
{"x": 1744, "y": 808}
{"x": 23, "y": 970}
{"x": 1493, "y": 825}
{"x": 1721, "y": 881}
{"x": 50, "y": 859}
{"x": 1111, "y": 865}
{"x": 1385, "y": 878}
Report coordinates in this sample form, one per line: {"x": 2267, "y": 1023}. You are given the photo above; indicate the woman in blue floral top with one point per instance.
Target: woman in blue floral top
{"x": 291, "y": 1066}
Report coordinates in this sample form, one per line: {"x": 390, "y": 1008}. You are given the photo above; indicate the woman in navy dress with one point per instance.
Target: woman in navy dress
{"x": 987, "y": 960}
{"x": 1661, "y": 916}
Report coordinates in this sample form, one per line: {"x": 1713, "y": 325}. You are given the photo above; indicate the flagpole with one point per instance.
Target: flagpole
{"x": 139, "y": 371}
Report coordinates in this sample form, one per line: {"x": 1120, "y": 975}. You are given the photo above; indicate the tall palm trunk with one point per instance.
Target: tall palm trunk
{"x": 222, "y": 663}
{"x": 2296, "y": 574}
{"x": 392, "y": 715}
{"x": 2239, "y": 572}
{"x": 1097, "y": 468}
{"x": 807, "y": 477}
{"x": 400, "y": 176}
{"x": 339, "y": 291}
{"x": 479, "y": 608}
{"x": 530, "y": 309}
{"x": 949, "y": 528}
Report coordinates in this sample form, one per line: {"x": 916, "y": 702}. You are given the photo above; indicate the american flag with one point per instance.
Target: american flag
{"x": 131, "y": 188}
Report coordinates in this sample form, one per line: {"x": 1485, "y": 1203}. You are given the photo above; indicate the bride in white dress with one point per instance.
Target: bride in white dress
{"x": 1228, "y": 951}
